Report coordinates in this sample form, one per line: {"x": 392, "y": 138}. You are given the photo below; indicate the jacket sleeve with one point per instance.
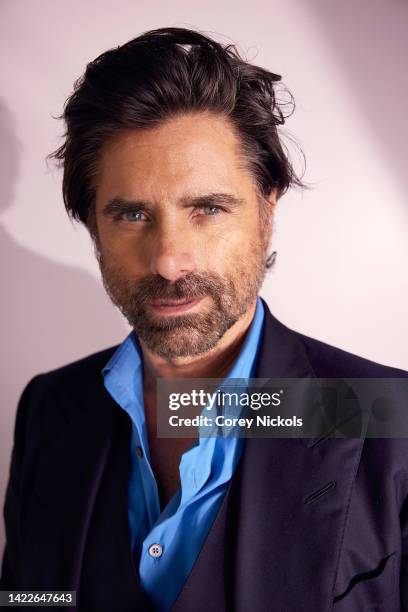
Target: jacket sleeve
{"x": 9, "y": 577}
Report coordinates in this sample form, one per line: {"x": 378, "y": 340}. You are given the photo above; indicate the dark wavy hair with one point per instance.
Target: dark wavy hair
{"x": 160, "y": 74}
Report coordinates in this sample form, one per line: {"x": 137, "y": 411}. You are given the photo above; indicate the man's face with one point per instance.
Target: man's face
{"x": 179, "y": 239}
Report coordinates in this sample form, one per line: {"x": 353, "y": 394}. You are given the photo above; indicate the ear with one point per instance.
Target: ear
{"x": 272, "y": 198}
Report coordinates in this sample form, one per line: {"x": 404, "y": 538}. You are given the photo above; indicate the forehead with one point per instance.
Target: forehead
{"x": 185, "y": 152}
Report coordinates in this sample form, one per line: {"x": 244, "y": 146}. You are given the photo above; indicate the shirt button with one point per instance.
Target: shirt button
{"x": 139, "y": 452}
{"x": 156, "y": 550}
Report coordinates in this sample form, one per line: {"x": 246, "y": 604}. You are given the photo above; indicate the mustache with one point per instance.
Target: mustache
{"x": 191, "y": 286}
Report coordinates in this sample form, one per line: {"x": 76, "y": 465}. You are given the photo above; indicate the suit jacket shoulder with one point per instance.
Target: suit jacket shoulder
{"x": 80, "y": 371}
{"x": 331, "y": 361}
{"x": 74, "y": 386}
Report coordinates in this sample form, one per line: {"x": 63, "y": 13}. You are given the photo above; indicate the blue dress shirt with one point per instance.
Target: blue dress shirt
{"x": 166, "y": 544}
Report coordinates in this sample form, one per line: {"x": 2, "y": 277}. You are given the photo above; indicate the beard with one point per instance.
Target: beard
{"x": 193, "y": 333}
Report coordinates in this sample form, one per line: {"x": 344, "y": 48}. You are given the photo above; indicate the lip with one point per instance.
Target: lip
{"x": 173, "y": 306}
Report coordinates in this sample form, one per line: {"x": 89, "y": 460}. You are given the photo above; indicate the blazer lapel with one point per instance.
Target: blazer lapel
{"x": 276, "y": 541}
{"x": 74, "y": 450}
{"x": 81, "y": 492}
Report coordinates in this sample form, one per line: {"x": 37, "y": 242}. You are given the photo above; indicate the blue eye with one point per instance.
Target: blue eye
{"x": 211, "y": 210}
{"x": 135, "y": 215}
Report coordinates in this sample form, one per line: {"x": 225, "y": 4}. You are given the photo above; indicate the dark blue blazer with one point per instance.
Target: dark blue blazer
{"x": 306, "y": 525}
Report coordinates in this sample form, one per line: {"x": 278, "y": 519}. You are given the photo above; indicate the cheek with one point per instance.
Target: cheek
{"x": 119, "y": 257}
{"x": 243, "y": 236}
{"x": 114, "y": 242}
{"x": 234, "y": 253}
{"x": 109, "y": 247}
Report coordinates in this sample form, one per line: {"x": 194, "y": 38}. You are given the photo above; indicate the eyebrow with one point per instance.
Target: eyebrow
{"x": 120, "y": 205}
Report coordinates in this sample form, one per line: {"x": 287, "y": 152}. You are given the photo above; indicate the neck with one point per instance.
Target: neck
{"x": 213, "y": 364}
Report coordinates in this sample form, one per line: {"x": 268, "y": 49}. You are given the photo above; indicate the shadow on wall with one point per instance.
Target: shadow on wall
{"x": 370, "y": 40}
{"x": 50, "y": 313}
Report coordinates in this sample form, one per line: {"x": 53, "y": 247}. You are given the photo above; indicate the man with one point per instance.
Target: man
{"x": 173, "y": 161}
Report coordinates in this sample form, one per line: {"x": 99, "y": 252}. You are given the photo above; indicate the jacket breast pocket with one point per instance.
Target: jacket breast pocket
{"x": 373, "y": 589}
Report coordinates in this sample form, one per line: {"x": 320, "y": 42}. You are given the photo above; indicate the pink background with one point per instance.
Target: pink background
{"x": 341, "y": 271}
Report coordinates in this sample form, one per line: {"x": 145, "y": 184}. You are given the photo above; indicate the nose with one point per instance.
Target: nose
{"x": 172, "y": 255}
